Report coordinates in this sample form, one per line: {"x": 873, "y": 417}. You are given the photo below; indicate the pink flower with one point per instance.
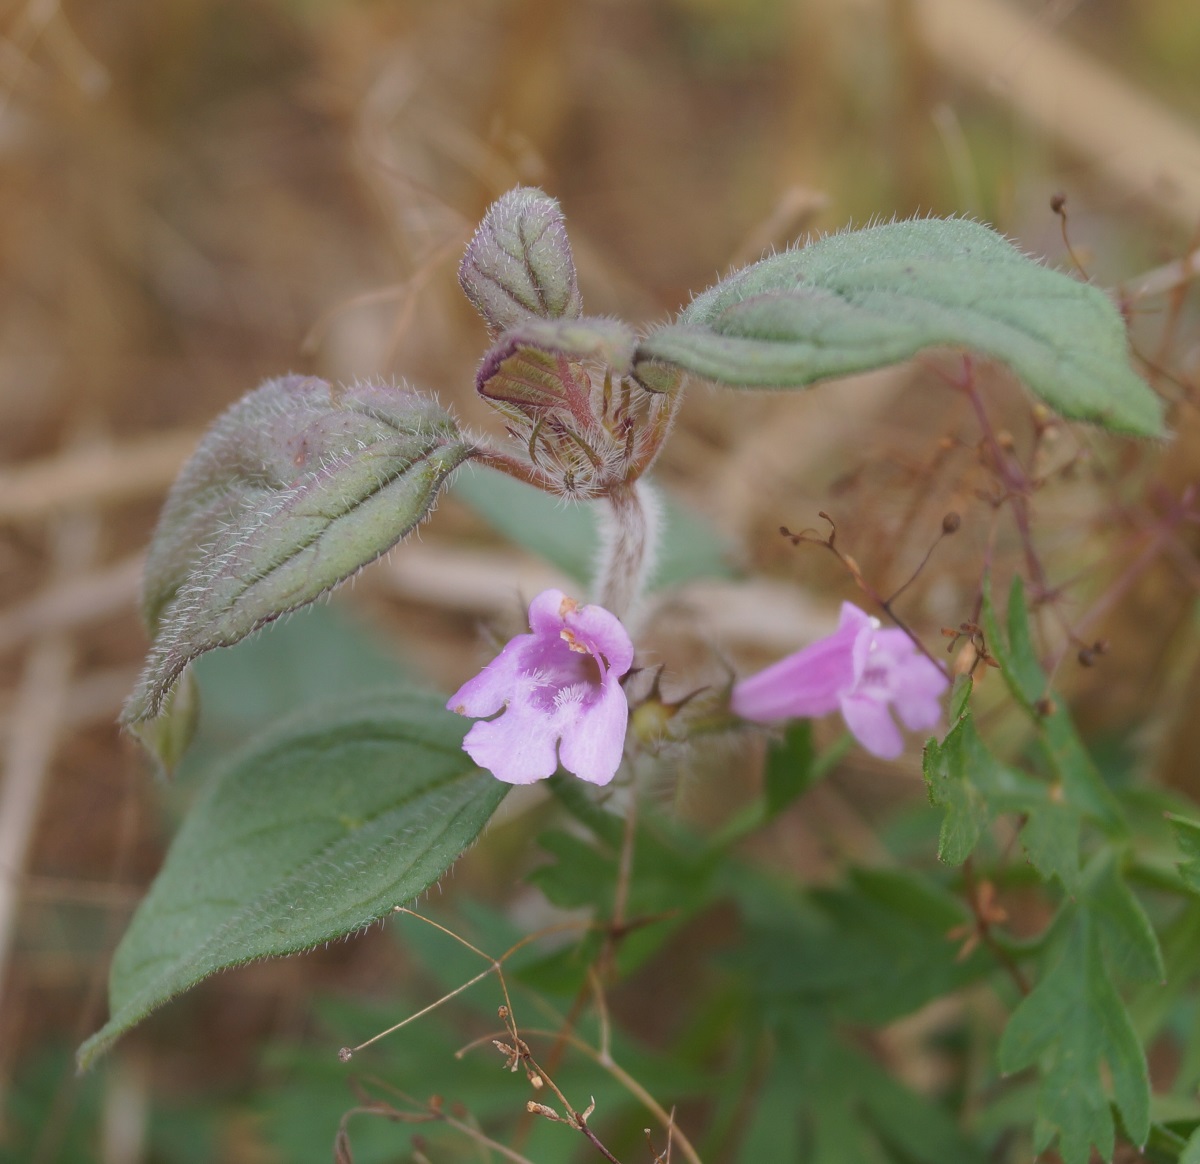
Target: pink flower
{"x": 561, "y": 693}
{"x": 859, "y": 669}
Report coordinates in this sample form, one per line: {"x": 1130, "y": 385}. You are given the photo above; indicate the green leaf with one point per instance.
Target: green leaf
{"x": 824, "y": 1102}
{"x": 866, "y": 952}
{"x": 1068, "y": 1026}
{"x": 294, "y": 489}
{"x": 566, "y": 534}
{"x": 311, "y": 833}
{"x": 320, "y": 653}
{"x": 1082, "y": 786}
{"x": 1128, "y": 938}
{"x": 968, "y": 782}
{"x": 168, "y": 737}
{"x": 1191, "y": 1151}
{"x": 671, "y": 876}
{"x": 790, "y": 767}
{"x": 965, "y": 779}
{"x": 1050, "y": 839}
{"x": 865, "y": 299}
{"x": 1187, "y": 836}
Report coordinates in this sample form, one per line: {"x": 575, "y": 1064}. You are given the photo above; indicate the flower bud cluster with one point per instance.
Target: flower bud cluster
{"x": 566, "y": 385}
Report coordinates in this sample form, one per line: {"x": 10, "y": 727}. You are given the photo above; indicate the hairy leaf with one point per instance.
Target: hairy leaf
{"x": 294, "y": 489}
{"x": 309, "y": 834}
{"x": 1068, "y": 1027}
{"x": 521, "y": 365}
{"x": 869, "y": 298}
{"x": 518, "y": 264}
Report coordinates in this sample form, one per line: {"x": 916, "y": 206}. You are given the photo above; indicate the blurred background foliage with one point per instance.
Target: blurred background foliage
{"x": 202, "y": 193}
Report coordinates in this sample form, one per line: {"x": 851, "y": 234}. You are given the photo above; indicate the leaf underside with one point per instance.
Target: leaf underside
{"x": 866, "y": 299}
{"x": 308, "y": 835}
{"x": 292, "y": 491}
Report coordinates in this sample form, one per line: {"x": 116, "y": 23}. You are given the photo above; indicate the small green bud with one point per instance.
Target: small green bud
{"x": 518, "y": 265}
{"x": 169, "y": 735}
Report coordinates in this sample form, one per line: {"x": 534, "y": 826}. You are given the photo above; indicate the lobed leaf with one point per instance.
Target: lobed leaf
{"x": 309, "y": 834}
{"x": 1069, "y": 1026}
{"x": 869, "y": 951}
{"x": 825, "y": 1101}
{"x": 865, "y": 299}
{"x": 292, "y": 491}
{"x": 1081, "y": 784}
{"x": 973, "y": 787}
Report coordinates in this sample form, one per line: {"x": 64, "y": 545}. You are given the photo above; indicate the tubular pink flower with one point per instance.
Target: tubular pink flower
{"x": 560, "y": 691}
{"x": 861, "y": 670}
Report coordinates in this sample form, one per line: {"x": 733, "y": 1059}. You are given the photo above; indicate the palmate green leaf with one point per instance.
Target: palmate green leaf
{"x": 974, "y": 787}
{"x": 295, "y": 488}
{"x": 1050, "y": 838}
{"x": 865, "y": 299}
{"x": 309, "y": 834}
{"x": 969, "y": 783}
{"x": 1069, "y": 1026}
{"x": 825, "y": 1102}
{"x": 1131, "y": 946}
{"x": 1083, "y": 789}
{"x": 869, "y": 951}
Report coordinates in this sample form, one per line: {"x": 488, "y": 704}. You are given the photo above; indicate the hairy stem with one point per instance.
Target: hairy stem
{"x": 630, "y": 529}
{"x": 513, "y": 467}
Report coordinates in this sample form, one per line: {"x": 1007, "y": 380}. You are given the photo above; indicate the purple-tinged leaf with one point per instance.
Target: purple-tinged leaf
{"x": 533, "y": 366}
{"x": 292, "y": 491}
{"x": 518, "y": 265}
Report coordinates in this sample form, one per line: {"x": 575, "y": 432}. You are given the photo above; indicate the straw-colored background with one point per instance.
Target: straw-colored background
{"x": 198, "y": 194}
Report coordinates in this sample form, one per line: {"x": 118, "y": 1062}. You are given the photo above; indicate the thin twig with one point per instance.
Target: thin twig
{"x": 630, "y": 1084}
{"x": 346, "y": 1053}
